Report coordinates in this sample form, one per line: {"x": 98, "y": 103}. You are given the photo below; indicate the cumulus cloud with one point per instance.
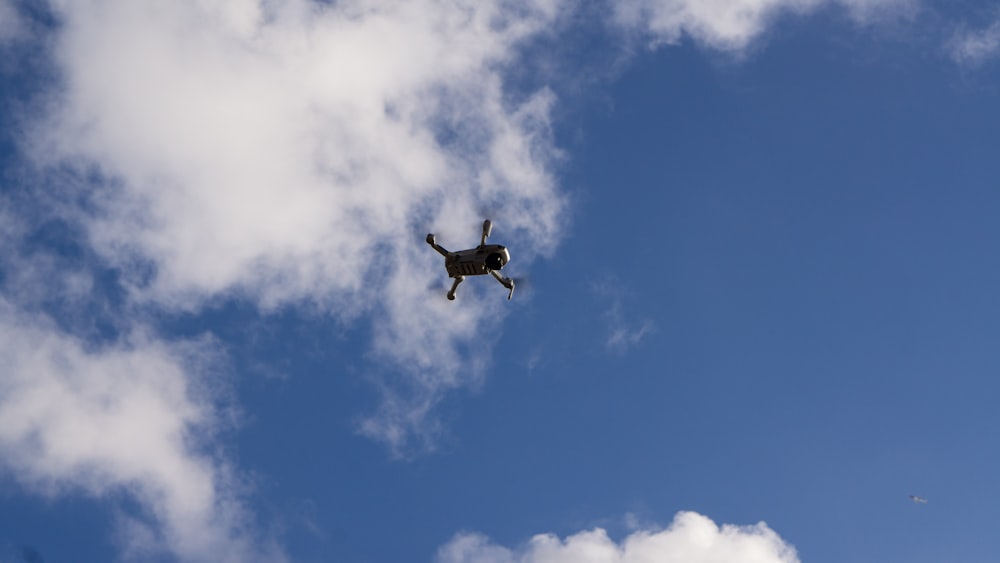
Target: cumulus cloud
{"x": 296, "y": 153}
{"x": 128, "y": 418}
{"x": 691, "y": 538}
{"x": 731, "y": 25}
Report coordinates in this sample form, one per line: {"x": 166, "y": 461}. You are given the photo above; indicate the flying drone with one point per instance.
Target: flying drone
{"x": 484, "y": 259}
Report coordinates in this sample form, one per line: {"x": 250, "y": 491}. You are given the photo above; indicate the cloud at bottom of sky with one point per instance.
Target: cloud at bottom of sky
{"x": 691, "y": 538}
{"x": 134, "y": 418}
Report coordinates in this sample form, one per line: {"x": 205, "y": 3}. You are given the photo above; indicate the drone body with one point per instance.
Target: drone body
{"x": 482, "y": 260}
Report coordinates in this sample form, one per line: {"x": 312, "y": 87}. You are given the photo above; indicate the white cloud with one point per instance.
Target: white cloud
{"x": 35, "y": 277}
{"x": 623, "y": 333}
{"x": 731, "y": 25}
{"x": 134, "y": 418}
{"x": 691, "y": 538}
{"x": 293, "y": 152}
{"x": 623, "y": 337}
{"x": 296, "y": 152}
{"x": 720, "y": 24}
{"x": 974, "y": 47}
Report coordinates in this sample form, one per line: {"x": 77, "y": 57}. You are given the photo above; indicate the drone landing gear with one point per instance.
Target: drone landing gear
{"x": 454, "y": 287}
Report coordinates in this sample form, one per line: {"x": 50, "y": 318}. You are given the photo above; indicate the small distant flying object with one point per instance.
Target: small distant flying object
{"x": 484, "y": 259}
{"x": 918, "y": 500}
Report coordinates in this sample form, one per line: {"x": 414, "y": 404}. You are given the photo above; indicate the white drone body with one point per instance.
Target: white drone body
{"x": 484, "y": 259}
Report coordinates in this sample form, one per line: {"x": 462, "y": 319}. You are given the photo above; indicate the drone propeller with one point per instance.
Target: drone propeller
{"x": 523, "y": 282}
{"x": 511, "y": 283}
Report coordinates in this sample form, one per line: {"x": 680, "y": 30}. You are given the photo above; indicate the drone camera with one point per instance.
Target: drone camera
{"x": 494, "y": 261}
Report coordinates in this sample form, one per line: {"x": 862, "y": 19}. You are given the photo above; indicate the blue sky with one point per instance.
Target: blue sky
{"x": 759, "y": 307}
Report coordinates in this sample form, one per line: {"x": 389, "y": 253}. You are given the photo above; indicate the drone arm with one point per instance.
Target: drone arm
{"x": 433, "y": 242}
{"x": 506, "y": 282}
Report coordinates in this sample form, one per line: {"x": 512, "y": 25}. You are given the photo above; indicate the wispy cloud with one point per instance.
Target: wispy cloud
{"x": 732, "y": 25}
{"x": 623, "y": 337}
{"x": 623, "y": 333}
{"x": 973, "y": 47}
{"x": 691, "y": 538}
{"x": 11, "y": 26}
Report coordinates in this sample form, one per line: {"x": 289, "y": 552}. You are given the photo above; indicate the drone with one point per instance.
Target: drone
{"x": 484, "y": 259}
